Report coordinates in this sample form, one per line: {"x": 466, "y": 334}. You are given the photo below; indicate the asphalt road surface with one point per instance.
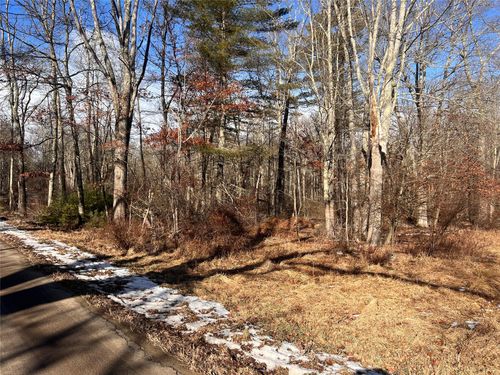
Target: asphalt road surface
{"x": 45, "y": 329}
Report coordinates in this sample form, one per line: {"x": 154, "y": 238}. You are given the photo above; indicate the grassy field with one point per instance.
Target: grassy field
{"x": 396, "y": 307}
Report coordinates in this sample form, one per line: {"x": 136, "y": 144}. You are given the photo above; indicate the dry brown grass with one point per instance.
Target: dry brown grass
{"x": 389, "y": 308}
{"x": 135, "y": 236}
{"x": 457, "y": 244}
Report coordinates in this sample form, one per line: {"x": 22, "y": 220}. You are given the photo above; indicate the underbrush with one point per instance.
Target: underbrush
{"x": 377, "y": 255}
{"x": 223, "y": 231}
{"x": 218, "y": 232}
{"x": 451, "y": 245}
{"x": 63, "y": 212}
{"x": 293, "y": 226}
{"x": 138, "y": 237}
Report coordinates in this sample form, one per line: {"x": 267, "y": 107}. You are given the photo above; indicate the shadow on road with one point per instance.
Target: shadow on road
{"x": 44, "y": 330}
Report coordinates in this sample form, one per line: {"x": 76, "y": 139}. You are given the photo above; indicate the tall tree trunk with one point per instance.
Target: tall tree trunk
{"x": 329, "y": 134}
{"x": 328, "y": 199}
{"x": 353, "y": 211}
{"x": 92, "y": 163}
{"x": 16, "y": 124}
{"x": 279, "y": 193}
{"x": 421, "y": 211}
{"x": 22, "y": 202}
{"x": 120, "y": 204}
{"x": 375, "y": 196}
{"x": 11, "y": 172}
{"x": 421, "y": 214}
{"x": 219, "y": 188}
{"x": 76, "y": 153}
{"x": 494, "y": 165}
{"x": 122, "y": 139}
{"x": 96, "y": 149}
{"x": 61, "y": 153}
{"x": 55, "y": 123}
{"x": 22, "y": 198}
{"x": 376, "y": 177}
{"x": 163, "y": 77}
{"x": 141, "y": 148}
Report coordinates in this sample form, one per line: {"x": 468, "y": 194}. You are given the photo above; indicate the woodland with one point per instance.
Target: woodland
{"x": 363, "y": 115}
{"x": 338, "y": 156}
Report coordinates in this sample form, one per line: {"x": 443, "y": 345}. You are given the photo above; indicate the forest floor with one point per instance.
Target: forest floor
{"x": 394, "y": 308}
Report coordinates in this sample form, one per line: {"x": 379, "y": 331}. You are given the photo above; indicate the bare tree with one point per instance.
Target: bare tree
{"x": 322, "y": 64}
{"x": 387, "y": 24}
{"x": 123, "y": 79}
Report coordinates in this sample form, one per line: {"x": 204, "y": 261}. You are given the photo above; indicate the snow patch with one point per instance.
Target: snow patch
{"x": 471, "y": 324}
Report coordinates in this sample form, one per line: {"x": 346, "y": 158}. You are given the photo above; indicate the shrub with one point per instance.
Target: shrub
{"x": 122, "y": 234}
{"x": 453, "y": 245}
{"x": 138, "y": 237}
{"x": 96, "y": 219}
{"x": 69, "y": 217}
{"x": 218, "y": 232}
{"x": 284, "y": 227}
{"x": 64, "y": 212}
{"x": 376, "y": 255}
{"x": 95, "y": 202}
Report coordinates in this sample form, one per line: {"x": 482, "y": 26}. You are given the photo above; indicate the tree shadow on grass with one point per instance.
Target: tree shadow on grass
{"x": 185, "y": 276}
{"x": 328, "y": 269}
{"x": 372, "y": 371}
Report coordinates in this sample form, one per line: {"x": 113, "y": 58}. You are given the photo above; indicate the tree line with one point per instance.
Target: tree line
{"x": 364, "y": 114}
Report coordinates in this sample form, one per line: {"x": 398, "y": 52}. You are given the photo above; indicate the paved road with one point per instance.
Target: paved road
{"x": 44, "y": 329}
